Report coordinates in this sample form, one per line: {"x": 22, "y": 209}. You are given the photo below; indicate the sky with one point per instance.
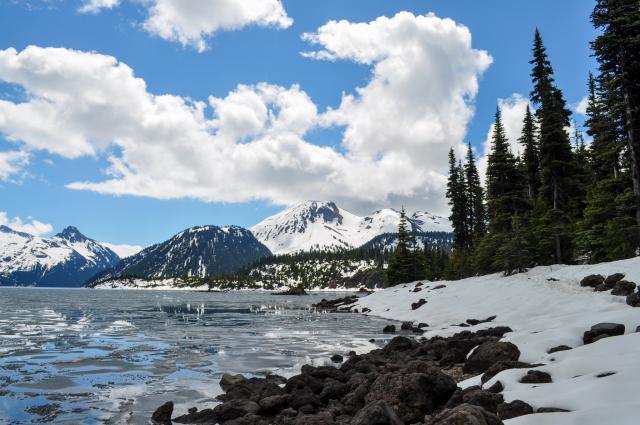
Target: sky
{"x": 135, "y": 119}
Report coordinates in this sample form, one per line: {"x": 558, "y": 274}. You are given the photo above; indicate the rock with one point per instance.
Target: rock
{"x": 302, "y": 397}
{"x": 320, "y": 418}
{"x": 162, "y": 415}
{"x": 298, "y": 290}
{"x": 551, "y": 410}
{"x": 614, "y": 278}
{"x": 398, "y": 343}
{"x": 249, "y": 419}
{"x": 337, "y": 358}
{"x": 558, "y": 348}
{"x": 489, "y": 353}
{"x": 623, "y": 288}
{"x": 234, "y": 409}
{"x": 487, "y": 400}
{"x": 412, "y": 395}
{"x": 254, "y": 389}
{"x": 592, "y": 280}
{"x": 602, "y": 330}
{"x": 333, "y": 390}
{"x": 465, "y": 414}
{"x": 497, "y": 387}
{"x": 333, "y": 305}
{"x": 204, "y": 416}
{"x": 603, "y": 287}
{"x": 418, "y": 304}
{"x": 474, "y": 322}
{"x": 422, "y": 325}
{"x": 273, "y": 404}
{"x": 366, "y": 310}
{"x": 389, "y": 329}
{"x": 536, "y": 377}
{"x": 376, "y": 413}
{"x": 439, "y": 286}
{"x": 498, "y": 367}
{"x": 227, "y": 381}
{"x": 514, "y": 409}
{"x": 406, "y": 326}
{"x": 634, "y": 299}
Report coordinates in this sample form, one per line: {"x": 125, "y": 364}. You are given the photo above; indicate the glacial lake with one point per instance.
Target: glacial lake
{"x": 70, "y": 356}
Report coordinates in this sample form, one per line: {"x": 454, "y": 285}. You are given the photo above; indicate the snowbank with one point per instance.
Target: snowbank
{"x": 545, "y": 307}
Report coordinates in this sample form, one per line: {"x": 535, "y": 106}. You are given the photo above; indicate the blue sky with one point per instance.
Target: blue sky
{"x": 251, "y": 54}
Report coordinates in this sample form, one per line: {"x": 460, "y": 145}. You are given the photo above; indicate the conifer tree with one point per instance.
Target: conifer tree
{"x": 458, "y": 202}
{"x": 476, "y": 216}
{"x": 530, "y": 155}
{"x": 406, "y": 263}
{"x": 603, "y": 150}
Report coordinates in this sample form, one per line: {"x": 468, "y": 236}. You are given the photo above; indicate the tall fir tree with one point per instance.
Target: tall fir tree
{"x": 530, "y": 154}
{"x": 604, "y": 149}
{"x": 476, "y": 216}
{"x": 458, "y": 202}
{"x": 407, "y": 262}
{"x": 618, "y": 52}
{"x": 556, "y": 156}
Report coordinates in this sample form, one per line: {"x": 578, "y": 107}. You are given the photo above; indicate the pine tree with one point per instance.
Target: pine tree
{"x": 504, "y": 182}
{"x": 556, "y": 157}
{"x": 458, "y": 202}
{"x": 476, "y": 216}
{"x": 618, "y": 52}
{"x": 530, "y": 155}
{"x": 406, "y": 263}
{"x": 603, "y": 150}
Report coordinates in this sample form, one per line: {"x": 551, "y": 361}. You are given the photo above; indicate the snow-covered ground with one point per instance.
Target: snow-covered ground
{"x": 545, "y": 307}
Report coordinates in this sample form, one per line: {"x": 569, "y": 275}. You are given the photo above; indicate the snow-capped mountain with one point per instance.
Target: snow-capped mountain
{"x": 317, "y": 225}
{"x": 66, "y": 259}
{"x": 199, "y": 251}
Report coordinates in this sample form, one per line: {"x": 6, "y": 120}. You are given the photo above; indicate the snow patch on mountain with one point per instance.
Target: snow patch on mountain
{"x": 123, "y": 250}
{"x": 316, "y": 225}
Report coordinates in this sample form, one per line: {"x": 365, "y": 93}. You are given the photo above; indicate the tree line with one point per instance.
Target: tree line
{"x": 559, "y": 200}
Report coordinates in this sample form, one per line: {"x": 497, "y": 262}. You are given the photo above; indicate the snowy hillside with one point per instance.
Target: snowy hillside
{"x": 67, "y": 259}
{"x": 546, "y": 307}
{"x": 195, "y": 252}
{"x": 317, "y": 225}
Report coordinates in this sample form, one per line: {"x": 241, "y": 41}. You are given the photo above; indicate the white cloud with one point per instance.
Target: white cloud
{"x": 581, "y": 107}
{"x": 123, "y": 250}
{"x": 513, "y": 110}
{"x": 250, "y": 144}
{"x": 30, "y": 226}
{"x": 12, "y": 162}
{"x": 96, "y": 6}
{"x": 190, "y": 22}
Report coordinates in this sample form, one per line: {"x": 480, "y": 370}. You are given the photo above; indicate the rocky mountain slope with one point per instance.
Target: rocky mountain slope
{"x": 195, "y": 252}
{"x": 316, "y": 225}
{"x": 66, "y": 259}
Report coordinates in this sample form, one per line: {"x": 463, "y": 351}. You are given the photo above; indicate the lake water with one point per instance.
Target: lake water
{"x": 86, "y": 356}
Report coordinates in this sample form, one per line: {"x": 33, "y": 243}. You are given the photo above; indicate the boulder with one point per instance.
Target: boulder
{"x": 489, "y": 353}
{"x": 603, "y": 287}
{"x": 602, "y": 330}
{"x": 551, "y": 410}
{"x": 234, "y": 409}
{"x": 497, "y": 387}
{"x": 406, "y": 326}
{"x": 298, "y": 290}
{"x": 204, "y": 416}
{"x": 536, "y": 377}
{"x": 273, "y": 404}
{"x": 487, "y": 400}
{"x": 623, "y": 288}
{"x": 254, "y": 389}
{"x": 389, "y": 329}
{"x": 614, "y": 278}
{"x": 634, "y": 299}
{"x": 500, "y": 366}
{"x": 418, "y": 304}
{"x": 376, "y": 413}
{"x": 333, "y": 390}
{"x": 162, "y": 415}
{"x": 514, "y": 409}
{"x": 592, "y": 280}
{"x": 337, "y": 358}
{"x": 227, "y": 381}
{"x": 465, "y": 414}
{"x": 399, "y": 343}
{"x": 558, "y": 348}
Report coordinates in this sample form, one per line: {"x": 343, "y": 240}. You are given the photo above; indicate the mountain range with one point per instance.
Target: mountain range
{"x": 71, "y": 259}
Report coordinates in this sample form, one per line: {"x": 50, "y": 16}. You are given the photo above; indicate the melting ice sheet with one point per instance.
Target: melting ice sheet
{"x": 79, "y": 355}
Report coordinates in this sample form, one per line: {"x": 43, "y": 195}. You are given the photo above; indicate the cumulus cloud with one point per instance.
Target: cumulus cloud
{"x": 581, "y": 106}
{"x": 250, "y": 144}
{"x": 31, "y": 226}
{"x": 190, "y": 22}
{"x": 96, "y": 6}
{"x": 11, "y": 163}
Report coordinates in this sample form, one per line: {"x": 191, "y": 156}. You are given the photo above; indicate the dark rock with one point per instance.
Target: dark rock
{"x": 490, "y": 353}
{"x": 333, "y": 390}
{"x": 623, "y": 288}
{"x": 366, "y": 310}
{"x": 614, "y": 278}
{"x": 302, "y": 397}
{"x": 204, "y": 416}
{"x": 422, "y": 325}
{"x": 376, "y": 413}
{"x": 273, "y": 404}
{"x": 536, "y": 377}
{"x": 602, "y": 330}
{"x": 474, "y": 322}
{"x": 323, "y": 372}
{"x": 487, "y": 400}
{"x": 192, "y": 410}
{"x": 162, "y": 415}
{"x": 504, "y": 365}
{"x": 439, "y": 286}
{"x": 551, "y": 410}
{"x": 233, "y": 409}
{"x": 634, "y": 299}
{"x": 603, "y": 287}
{"x": 227, "y": 381}
{"x": 605, "y": 374}
{"x": 333, "y": 305}
{"x": 465, "y": 414}
{"x": 254, "y": 389}
{"x": 249, "y": 419}
{"x": 398, "y": 343}
{"x": 320, "y": 418}
{"x": 418, "y": 304}
{"x": 389, "y": 329}
{"x": 496, "y": 331}
{"x": 337, "y": 358}
{"x": 592, "y": 280}
{"x": 558, "y": 348}
{"x": 406, "y": 326}
{"x": 514, "y": 409}
{"x": 497, "y": 387}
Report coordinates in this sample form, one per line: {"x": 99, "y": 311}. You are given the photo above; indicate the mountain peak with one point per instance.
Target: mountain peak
{"x": 72, "y": 234}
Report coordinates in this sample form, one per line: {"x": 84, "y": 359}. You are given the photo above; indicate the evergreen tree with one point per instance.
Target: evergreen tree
{"x": 504, "y": 182}
{"x": 530, "y": 156}
{"x": 476, "y": 216}
{"x": 618, "y": 52}
{"x": 556, "y": 157}
{"x": 513, "y": 255}
{"x": 603, "y": 150}
{"x": 406, "y": 263}
{"x": 458, "y": 201}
